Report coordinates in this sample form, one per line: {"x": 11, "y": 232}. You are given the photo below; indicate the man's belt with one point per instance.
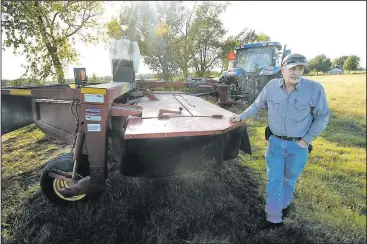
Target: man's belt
{"x": 289, "y": 138}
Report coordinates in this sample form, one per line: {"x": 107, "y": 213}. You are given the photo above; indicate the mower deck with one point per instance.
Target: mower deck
{"x": 198, "y": 117}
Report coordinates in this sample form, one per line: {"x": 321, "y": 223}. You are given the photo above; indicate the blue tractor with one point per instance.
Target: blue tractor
{"x": 254, "y": 65}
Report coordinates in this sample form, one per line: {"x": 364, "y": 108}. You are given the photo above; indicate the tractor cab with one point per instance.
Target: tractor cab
{"x": 257, "y": 57}
{"x": 251, "y": 66}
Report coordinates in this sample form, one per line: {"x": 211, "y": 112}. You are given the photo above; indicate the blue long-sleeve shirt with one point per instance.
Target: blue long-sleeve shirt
{"x": 302, "y": 113}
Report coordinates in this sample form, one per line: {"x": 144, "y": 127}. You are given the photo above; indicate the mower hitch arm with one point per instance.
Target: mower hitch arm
{"x": 162, "y": 111}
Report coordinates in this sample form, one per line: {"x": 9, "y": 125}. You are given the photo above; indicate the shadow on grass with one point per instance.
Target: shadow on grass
{"x": 210, "y": 207}
{"x": 345, "y": 131}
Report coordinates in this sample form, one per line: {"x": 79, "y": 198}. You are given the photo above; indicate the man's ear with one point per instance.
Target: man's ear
{"x": 282, "y": 69}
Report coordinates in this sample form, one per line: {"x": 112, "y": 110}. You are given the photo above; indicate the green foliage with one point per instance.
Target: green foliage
{"x": 263, "y": 38}
{"x": 45, "y": 33}
{"x": 208, "y": 30}
{"x": 94, "y": 78}
{"x": 23, "y": 82}
{"x": 320, "y": 63}
{"x": 154, "y": 26}
{"x": 307, "y": 70}
{"x": 113, "y": 29}
{"x": 339, "y": 62}
{"x": 352, "y": 63}
{"x": 174, "y": 39}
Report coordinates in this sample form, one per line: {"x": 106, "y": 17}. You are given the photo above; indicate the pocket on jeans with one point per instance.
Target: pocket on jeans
{"x": 300, "y": 145}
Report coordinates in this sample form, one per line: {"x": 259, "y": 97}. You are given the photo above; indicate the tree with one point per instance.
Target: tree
{"x": 207, "y": 33}
{"x": 94, "y": 78}
{"x": 183, "y": 45}
{"x": 339, "y": 62}
{"x": 45, "y": 32}
{"x": 113, "y": 29}
{"x": 262, "y": 38}
{"x": 352, "y": 63}
{"x": 320, "y": 63}
{"x": 154, "y": 26}
{"x": 306, "y": 70}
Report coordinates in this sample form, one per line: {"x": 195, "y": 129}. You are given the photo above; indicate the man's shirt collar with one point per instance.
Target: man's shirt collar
{"x": 298, "y": 86}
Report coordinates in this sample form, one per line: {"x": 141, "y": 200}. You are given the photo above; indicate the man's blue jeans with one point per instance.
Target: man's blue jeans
{"x": 285, "y": 161}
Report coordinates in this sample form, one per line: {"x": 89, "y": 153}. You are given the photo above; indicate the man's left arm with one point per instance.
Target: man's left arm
{"x": 321, "y": 113}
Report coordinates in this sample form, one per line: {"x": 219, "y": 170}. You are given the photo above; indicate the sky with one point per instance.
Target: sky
{"x": 309, "y": 28}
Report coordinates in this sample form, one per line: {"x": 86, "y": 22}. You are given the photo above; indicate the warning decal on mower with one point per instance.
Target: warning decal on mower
{"x": 93, "y": 98}
{"x": 94, "y": 114}
{"x": 124, "y": 88}
{"x": 94, "y": 127}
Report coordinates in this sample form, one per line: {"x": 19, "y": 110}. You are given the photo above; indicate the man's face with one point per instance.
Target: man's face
{"x": 292, "y": 75}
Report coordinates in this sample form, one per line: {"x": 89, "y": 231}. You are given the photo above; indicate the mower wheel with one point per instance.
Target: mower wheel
{"x": 50, "y": 186}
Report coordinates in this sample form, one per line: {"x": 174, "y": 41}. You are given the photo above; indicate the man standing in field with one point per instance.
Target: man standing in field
{"x": 297, "y": 112}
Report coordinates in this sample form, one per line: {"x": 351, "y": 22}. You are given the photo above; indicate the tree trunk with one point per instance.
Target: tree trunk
{"x": 184, "y": 70}
{"x": 58, "y": 68}
{"x": 52, "y": 50}
{"x": 165, "y": 68}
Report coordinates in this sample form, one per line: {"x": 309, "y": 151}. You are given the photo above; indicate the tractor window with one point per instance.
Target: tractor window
{"x": 254, "y": 59}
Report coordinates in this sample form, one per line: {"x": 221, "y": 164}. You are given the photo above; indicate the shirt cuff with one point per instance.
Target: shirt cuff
{"x": 308, "y": 139}
{"x": 243, "y": 116}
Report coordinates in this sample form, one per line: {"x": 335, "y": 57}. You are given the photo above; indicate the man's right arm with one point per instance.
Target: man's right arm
{"x": 260, "y": 103}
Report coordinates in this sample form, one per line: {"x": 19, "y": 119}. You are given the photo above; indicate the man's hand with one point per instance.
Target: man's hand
{"x": 235, "y": 118}
{"x": 302, "y": 143}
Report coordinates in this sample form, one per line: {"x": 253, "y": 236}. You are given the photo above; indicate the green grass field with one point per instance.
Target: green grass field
{"x": 223, "y": 207}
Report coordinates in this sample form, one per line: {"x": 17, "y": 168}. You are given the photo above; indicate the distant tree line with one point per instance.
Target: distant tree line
{"x": 321, "y": 63}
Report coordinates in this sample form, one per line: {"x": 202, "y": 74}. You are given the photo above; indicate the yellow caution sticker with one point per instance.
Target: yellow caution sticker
{"x": 90, "y": 90}
{"x": 21, "y": 92}
{"x": 124, "y": 88}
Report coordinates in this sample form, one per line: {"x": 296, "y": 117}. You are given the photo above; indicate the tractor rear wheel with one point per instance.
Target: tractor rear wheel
{"x": 51, "y": 187}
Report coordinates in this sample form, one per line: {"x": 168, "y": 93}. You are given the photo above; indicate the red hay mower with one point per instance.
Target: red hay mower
{"x": 150, "y": 134}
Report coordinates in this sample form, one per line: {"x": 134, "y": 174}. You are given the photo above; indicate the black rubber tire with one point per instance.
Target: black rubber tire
{"x": 65, "y": 163}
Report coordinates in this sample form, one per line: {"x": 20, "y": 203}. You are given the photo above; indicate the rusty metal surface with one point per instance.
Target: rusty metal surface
{"x": 195, "y": 119}
{"x": 154, "y": 84}
{"x": 126, "y": 110}
{"x": 63, "y": 94}
{"x": 58, "y": 115}
{"x": 176, "y": 127}
{"x": 166, "y": 101}
{"x": 96, "y": 131}
{"x": 201, "y": 107}
{"x": 54, "y": 132}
